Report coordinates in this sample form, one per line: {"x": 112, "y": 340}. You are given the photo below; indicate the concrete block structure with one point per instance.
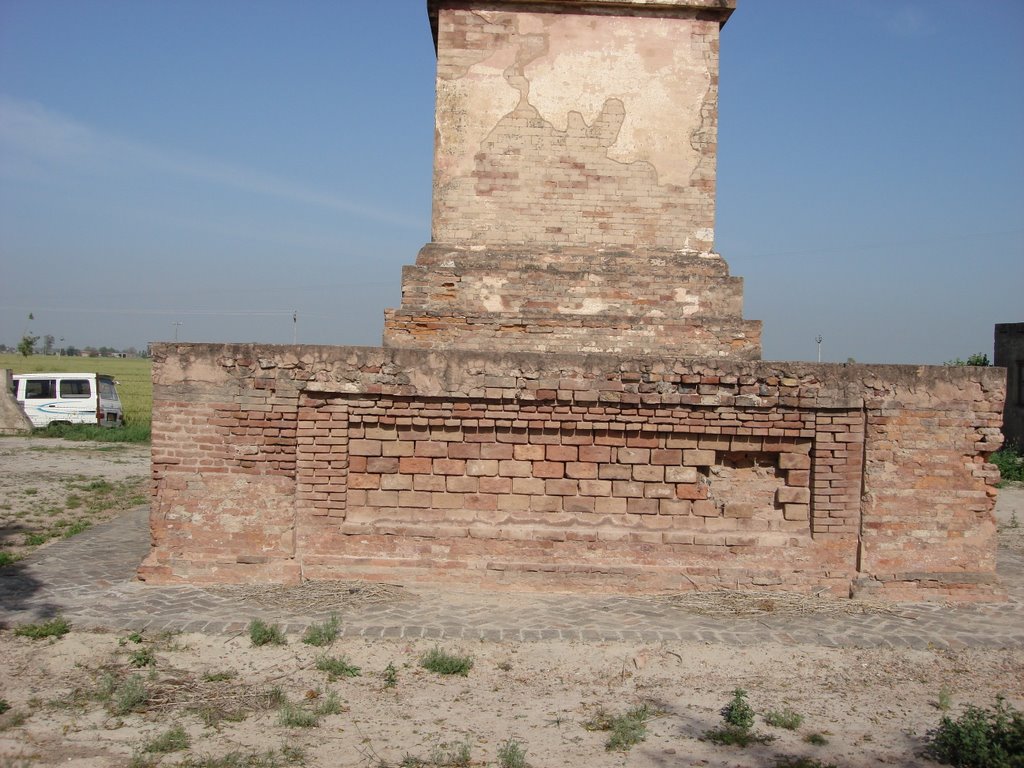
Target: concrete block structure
{"x": 569, "y": 397}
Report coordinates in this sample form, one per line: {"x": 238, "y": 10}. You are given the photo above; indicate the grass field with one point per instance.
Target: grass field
{"x": 133, "y": 376}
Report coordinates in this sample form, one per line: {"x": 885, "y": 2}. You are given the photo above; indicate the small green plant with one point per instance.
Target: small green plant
{"x": 1010, "y": 461}
{"x": 133, "y": 637}
{"x": 143, "y": 657}
{"x": 261, "y": 633}
{"x": 4, "y": 706}
{"x": 35, "y": 539}
{"x": 56, "y": 627}
{"x": 336, "y": 667}
{"x": 174, "y": 740}
{"x": 7, "y": 558}
{"x": 322, "y": 634}
{"x": 129, "y": 695}
{"x": 787, "y": 719}
{"x": 329, "y": 704}
{"x": 446, "y": 756}
{"x": 817, "y": 739}
{"x": 511, "y": 755}
{"x": 444, "y": 663}
{"x": 220, "y": 677}
{"x": 296, "y": 716}
{"x": 390, "y": 675}
{"x": 738, "y": 712}
{"x": 739, "y": 718}
{"x": 980, "y": 738}
{"x": 628, "y": 729}
{"x": 945, "y": 699}
{"x": 801, "y": 762}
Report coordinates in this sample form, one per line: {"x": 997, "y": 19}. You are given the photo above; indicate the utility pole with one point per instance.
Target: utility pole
{"x": 177, "y": 324}
{"x": 295, "y": 327}
{"x": 818, "y": 339}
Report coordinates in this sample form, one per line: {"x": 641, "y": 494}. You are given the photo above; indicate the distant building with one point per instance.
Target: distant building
{"x": 1009, "y": 354}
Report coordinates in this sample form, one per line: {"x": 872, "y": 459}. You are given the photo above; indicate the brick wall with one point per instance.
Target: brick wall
{"x": 571, "y": 472}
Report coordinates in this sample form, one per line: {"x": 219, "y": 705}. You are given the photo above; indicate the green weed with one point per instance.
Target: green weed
{"x": 945, "y": 699}
{"x": 444, "y": 663}
{"x": 219, "y": 677}
{"x": 324, "y": 633}
{"x": 1010, "y": 461}
{"x": 511, "y": 755}
{"x": 174, "y": 740}
{"x": 143, "y": 657}
{"x": 817, "y": 739}
{"x": 8, "y": 558}
{"x": 738, "y": 712}
{"x": 801, "y": 762}
{"x": 739, "y": 718}
{"x": 980, "y": 738}
{"x": 56, "y": 627}
{"x": 336, "y": 667}
{"x": 787, "y": 719}
{"x": 390, "y": 675}
{"x": 261, "y": 633}
{"x": 296, "y": 716}
{"x": 273, "y": 758}
{"x": 129, "y": 695}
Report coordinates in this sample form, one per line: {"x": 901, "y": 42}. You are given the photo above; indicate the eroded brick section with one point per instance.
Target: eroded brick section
{"x": 575, "y": 299}
{"x": 571, "y": 472}
{"x": 576, "y": 128}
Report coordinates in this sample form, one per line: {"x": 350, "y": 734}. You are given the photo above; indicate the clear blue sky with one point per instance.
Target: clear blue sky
{"x": 223, "y": 163}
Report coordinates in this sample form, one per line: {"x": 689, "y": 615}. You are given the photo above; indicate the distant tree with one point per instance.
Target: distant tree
{"x": 106, "y": 351}
{"x": 48, "y": 344}
{"x": 72, "y": 351}
{"x": 131, "y": 351}
{"x": 978, "y": 358}
{"x": 89, "y": 352}
{"x": 27, "y": 345}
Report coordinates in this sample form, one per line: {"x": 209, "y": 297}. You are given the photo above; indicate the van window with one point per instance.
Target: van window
{"x": 75, "y": 388}
{"x": 40, "y": 389}
{"x": 107, "y": 391}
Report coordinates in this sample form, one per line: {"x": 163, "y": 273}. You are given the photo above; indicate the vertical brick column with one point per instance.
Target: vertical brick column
{"x": 837, "y": 466}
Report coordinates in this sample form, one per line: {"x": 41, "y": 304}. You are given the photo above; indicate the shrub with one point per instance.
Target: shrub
{"x": 738, "y": 712}
{"x": 57, "y": 627}
{"x": 511, "y": 755}
{"x": 444, "y": 663}
{"x": 173, "y": 740}
{"x": 787, "y": 719}
{"x": 322, "y": 634}
{"x": 129, "y": 695}
{"x": 296, "y": 716}
{"x": 336, "y": 667}
{"x": 1010, "y": 462}
{"x": 261, "y": 633}
{"x": 980, "y": 738}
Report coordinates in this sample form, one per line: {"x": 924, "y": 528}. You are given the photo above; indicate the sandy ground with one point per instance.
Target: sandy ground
{"x": 68, "y": 702}
{"x": 48, "y": 485}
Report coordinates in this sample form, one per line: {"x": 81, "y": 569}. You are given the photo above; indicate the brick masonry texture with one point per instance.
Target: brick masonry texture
{"x": 572, "y": 472}
{"x": 585, "y": 126}
{"x": 573, "y": 299}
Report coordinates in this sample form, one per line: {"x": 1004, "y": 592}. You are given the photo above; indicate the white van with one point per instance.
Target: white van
{"x": 69, "y": 398}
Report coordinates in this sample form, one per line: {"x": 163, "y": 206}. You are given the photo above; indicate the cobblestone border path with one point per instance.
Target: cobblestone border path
{"x": 90, "y": 580}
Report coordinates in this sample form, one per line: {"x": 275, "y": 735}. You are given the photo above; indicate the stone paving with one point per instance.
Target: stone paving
{"x": 90, "y": 580}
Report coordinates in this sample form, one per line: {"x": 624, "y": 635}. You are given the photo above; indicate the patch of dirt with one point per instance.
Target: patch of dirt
{"x": 872, "y": 706}
{"x": 51, "y": 487}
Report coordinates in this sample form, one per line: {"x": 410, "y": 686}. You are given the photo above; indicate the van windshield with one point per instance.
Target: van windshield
{"x": 75, "y": 388}
{"x": 40, "y": 389}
